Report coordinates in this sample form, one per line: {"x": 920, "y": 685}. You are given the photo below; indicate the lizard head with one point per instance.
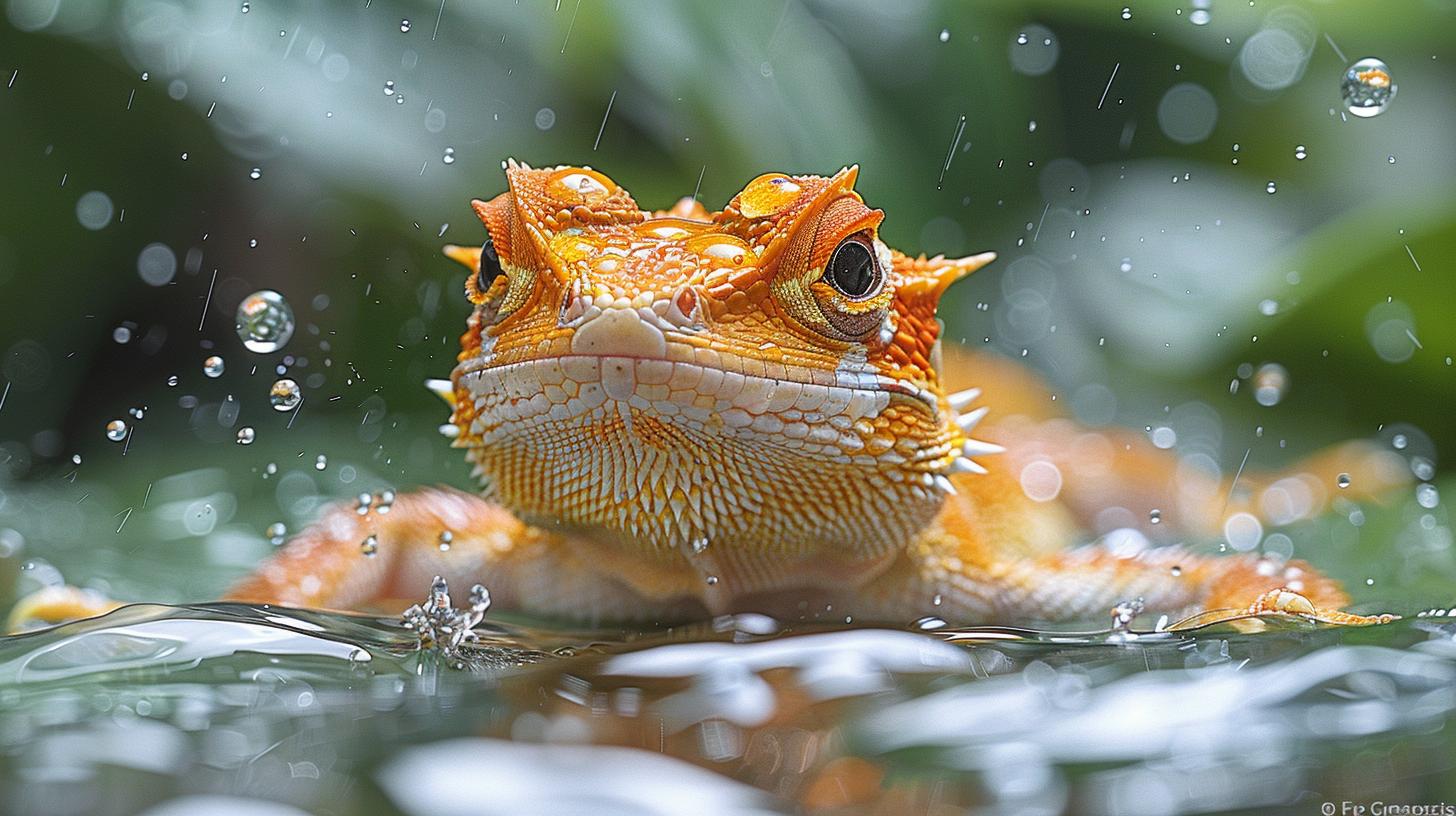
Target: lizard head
{"x": 764, "y": 376}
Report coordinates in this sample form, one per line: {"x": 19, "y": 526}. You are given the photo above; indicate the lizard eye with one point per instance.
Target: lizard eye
{"x": 490, "y": 267}
{"x": 852, "y": 270}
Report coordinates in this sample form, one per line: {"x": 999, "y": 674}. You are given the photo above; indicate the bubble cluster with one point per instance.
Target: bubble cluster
{"x": 264, "y": 321}
{"x": 1367, "y": 88}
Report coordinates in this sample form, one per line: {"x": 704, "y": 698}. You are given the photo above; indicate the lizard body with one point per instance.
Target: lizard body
{"x": 684, "y": 412}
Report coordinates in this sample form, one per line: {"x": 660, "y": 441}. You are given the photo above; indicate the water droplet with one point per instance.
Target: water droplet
{"x": 172, "y": 381}
{"x": 1367, "y": 88}
{"x": 121, "y": 334}
{"x": 1342, "y": 481}
{"x": 545, "y": 119}
{"x": 446, "y": 539}
{"x": 285, "y": 395}
{"x": 712, "y": 580}
{"x": 1270, "y": 188}
{"x": 1021, "y": 39}
{"x": 1268, "y": 307}
{"x": 369, "y": 546}
{"x": 264, "y": 321}
{"x": 399, "y": 99}
{"x": 276, "y": 532}
{"x": 116, "y": 430}
{"x": 1390, "y": 159}
{"x": 449, "y": 157}
{"x": 246, "y": 435}
{"x": 1270, "y": 383}
{"x": 213, "y": 366}
{"x": 321, "y": 462}
{"x": 1155, "y": 516}
{"x": 1427, "y": 496}
{"x": 389, "y": 87}
{"x": 1399, "y": 441}
{"x": 1126, "y": 13}
{"x": 1177, "y": 571}
{"x": 404, "y": 26}
{"x": 945, "y": 35}
{"x": 1126, "y": 265}
{"x": 1199, "y": 17}
{"x": 256, "y": 173}
{"x": 75, "y": 458}
{"x": 247, "y": 7}
{"x": 1299, "y": 152}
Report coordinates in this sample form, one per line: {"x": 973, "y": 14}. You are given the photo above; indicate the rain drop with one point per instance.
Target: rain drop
{"x": 1270, "y": 383}
{"x": 1342, "y": 481}
{"x": 1399, "y": 441}
{"x": 213, "y": 366}
{"x": 404, "y": 26}
{"x": 945, "y": 35}
{"x": 276, "y": 533}
{"x": 1299, "y": 152}
{"x": 1126, "y": 13}
{"x": 256, "y": 173}
{"x": 247, "y": 7}
{"x": 1155, "y": 516}
{"x": 369, "y": 546}
{"x": 321, "y": 462}
{"x": 116, "y": 430}
{"x": 389, "y": 87}
{"x": 449, "y": 157}
{"x": 121, "y": 334}
{"x": 264, "y": 321}
{"x": 246, "y": 435}
{"x": 1270, "y": 188}
{"x": 285, "y": 395}
{"x": 1367, "y": 88}
{"x": 446, "y": 539}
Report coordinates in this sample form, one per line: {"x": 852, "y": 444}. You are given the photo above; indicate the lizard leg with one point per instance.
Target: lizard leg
{"x": 385, "y": 560}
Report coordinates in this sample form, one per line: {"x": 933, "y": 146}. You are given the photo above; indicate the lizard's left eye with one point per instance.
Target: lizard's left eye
{"x": 852, "y": 270}
{"x": 490, "y": 267}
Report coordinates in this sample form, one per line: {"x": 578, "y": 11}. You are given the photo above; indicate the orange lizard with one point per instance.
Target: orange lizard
{"x": 684, "y": 413}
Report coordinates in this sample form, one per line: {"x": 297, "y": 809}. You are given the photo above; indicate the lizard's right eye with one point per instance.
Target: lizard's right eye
{"x": 490, "y": 267}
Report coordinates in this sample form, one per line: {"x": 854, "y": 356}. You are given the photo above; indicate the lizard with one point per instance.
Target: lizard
{"x": 683, "y": 413}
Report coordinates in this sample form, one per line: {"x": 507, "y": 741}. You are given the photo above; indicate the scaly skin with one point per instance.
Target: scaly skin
{"x": 679, "y": 413}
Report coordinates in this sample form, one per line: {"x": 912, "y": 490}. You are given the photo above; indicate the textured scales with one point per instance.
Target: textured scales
{"x": 682, "y": 412}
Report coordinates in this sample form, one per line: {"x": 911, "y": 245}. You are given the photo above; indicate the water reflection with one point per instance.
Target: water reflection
{"x": 332, "y": 713}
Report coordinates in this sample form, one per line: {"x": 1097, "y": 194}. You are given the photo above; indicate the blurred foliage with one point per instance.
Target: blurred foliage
{"x": 1136, "y": 289}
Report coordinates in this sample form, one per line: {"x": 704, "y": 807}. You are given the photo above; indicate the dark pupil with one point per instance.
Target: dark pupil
{"x": 490, "y": 267}
{"x": 851, "y": 269}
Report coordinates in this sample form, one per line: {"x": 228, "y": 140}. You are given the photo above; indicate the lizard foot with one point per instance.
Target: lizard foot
{"x": 57, "y": 604}
{"x": 1280, "y": 601}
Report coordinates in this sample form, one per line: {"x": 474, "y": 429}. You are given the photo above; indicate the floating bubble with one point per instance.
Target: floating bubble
{"x": 277, "y": 532}
{"x": 1342, "y": 481}
{"x": 449, "y": 157}
{"x": 157, "y": 264}
{"x": 285, "y": 395}
{"x": 172, "y": 381}
{"x": 1399, "y": 441}
{"x": 404, "y": 26}
{"x": 1243, "y": 531}
{"x": 545, "y": 119}
{"x": 94, "y": 210}
{"x": 264, "y": 321}
{"x": 213, "y": 366}
{"x": 116, "y": 430}
{"x": 1367, "y": 88}
{"x": 1034, "y": 51}
{"x": 1270, "y": 383}
{"x": 1427, "y": 496}
{"x": 246, "y": 435}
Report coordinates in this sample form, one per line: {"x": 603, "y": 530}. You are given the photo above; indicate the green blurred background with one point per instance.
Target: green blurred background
{"x": 1135, "y": 165}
